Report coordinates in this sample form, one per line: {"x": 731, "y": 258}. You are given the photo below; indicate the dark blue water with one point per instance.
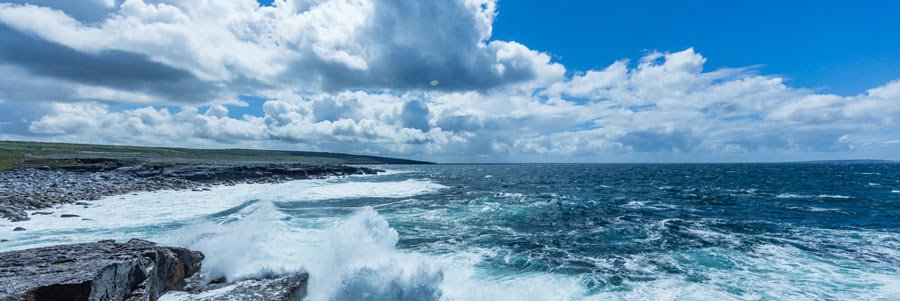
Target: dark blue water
{"x": 749, "y": 231}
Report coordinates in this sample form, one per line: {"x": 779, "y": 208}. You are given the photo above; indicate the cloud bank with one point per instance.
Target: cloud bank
{"x": 406, "y": 78}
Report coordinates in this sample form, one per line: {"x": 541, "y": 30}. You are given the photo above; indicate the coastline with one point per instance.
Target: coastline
{"x": 79, "y": 270}
{"x": 35, "y": 188}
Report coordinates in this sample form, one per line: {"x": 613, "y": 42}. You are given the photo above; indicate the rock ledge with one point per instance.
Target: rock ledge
{"x": 104, "y": 270}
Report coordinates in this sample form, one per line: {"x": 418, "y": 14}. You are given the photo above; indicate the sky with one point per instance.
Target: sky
{"x": 461, "y": 80}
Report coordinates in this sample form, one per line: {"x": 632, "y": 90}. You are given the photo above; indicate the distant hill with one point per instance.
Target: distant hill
{"x": 17, "y": 153}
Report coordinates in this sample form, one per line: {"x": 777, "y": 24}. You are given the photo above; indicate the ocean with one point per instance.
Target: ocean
{"x": 822, "y": 231}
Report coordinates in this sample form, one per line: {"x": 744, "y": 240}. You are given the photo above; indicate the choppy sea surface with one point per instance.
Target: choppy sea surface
{"x": 532, "y": 231}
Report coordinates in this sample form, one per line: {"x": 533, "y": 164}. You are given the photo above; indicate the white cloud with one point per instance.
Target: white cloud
{"x": 351, "y": 75}
{"x": 321, "y": 45}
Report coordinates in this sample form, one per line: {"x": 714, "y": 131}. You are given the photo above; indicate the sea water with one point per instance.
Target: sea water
{"x": 531, "y": 231}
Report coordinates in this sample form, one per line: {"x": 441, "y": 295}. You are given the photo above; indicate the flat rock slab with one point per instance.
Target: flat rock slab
{"x": 104, "y": 270}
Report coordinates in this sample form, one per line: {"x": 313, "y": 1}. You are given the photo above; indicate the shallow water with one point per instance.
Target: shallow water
{"x": 533, "y": 231}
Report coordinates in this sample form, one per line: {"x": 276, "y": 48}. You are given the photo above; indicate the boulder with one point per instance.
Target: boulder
{"x": 104, "y": 270}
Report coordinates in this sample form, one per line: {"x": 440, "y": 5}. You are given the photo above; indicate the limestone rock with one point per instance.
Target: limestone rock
{"x": 104, "y": 270}
{"x": 287, "y": 288}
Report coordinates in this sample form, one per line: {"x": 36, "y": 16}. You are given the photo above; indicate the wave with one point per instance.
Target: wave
{"x": 814, "y": 209}
{"x": 356, "y": 259}
{"x": 801, "y": 196}
{"x": 833, "y": 196}
{"x": 235, "y": 245}
{"x": 790, "y": 196}
{"x": 347, "y": 190}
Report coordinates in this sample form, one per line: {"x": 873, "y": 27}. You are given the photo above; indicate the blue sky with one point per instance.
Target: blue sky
{"x": 842, "y": 47}
{"x": 461, "y": 80}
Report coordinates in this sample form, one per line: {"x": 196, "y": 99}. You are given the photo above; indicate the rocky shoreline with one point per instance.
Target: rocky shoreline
{"x": 137, "y": 269}
{"x": 81, "y": 180}
{"x": 130, "y": 271}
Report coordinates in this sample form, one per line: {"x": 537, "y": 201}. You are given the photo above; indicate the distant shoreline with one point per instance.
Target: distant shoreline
{"x": 83, "y": 180}
{"x": 19, "y": 154}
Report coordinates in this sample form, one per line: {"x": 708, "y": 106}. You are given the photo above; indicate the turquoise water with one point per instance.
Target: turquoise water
{"x": 538, "y": 231}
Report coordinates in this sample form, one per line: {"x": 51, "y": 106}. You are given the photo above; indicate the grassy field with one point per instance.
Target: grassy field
{"x": 16, "y": 153}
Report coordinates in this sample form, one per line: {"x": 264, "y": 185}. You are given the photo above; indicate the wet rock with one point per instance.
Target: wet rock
{"x": 220, "y": 280}
{"x": 42, "y": 213}
{"x": 14, "y": 213}
{"x": 19, "y": 229}
{"x": 68, "y": 215}
{"x": 104, "y": 270}
{"x": 287, "y": 288}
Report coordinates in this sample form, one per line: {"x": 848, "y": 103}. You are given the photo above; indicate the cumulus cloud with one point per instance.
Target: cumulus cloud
{"x": 288, "y": 121}
{"x": 310, "y": 46}
{"x": 395, "y": 77}
{"x": 667, "y": 103}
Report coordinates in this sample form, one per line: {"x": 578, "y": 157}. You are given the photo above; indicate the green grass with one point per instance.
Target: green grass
{"x": 17, "y": 153}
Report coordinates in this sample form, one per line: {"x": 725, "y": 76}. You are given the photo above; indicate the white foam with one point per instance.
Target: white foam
{"x": 895, "y": 191}
{"x": 151, "y": 209}
{"x": 389, "y": 171}
{"x": 356, "y": 259}
{"x": 798, "y": 196}
{"x": 788, "y": 196}
{"x": 399, "y": 189}
{"x": 813, "y": 209}
{"x": 237, "y": 246}
{"x": 833, "y": 196}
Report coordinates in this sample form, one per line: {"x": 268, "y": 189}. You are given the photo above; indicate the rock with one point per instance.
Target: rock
{"x": 68, "y": 215}
{"x": 287, "y": 288}
{"x": 104, "y": 270}
{"x": 42, "y": 213}
{"x": 220, "y": 280}
{"x": 19, "y": 229}
{"x": 82, "y": 203}
{"x": 14, "y": 214}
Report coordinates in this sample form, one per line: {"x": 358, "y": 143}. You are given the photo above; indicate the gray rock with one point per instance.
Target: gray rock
{"x": 68, "y": 215}
{"x": 19, "y": 229}
{"x": 104, "y": 270}
{"x": 288, "y": 288}
{"x": 14, "y": 213}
